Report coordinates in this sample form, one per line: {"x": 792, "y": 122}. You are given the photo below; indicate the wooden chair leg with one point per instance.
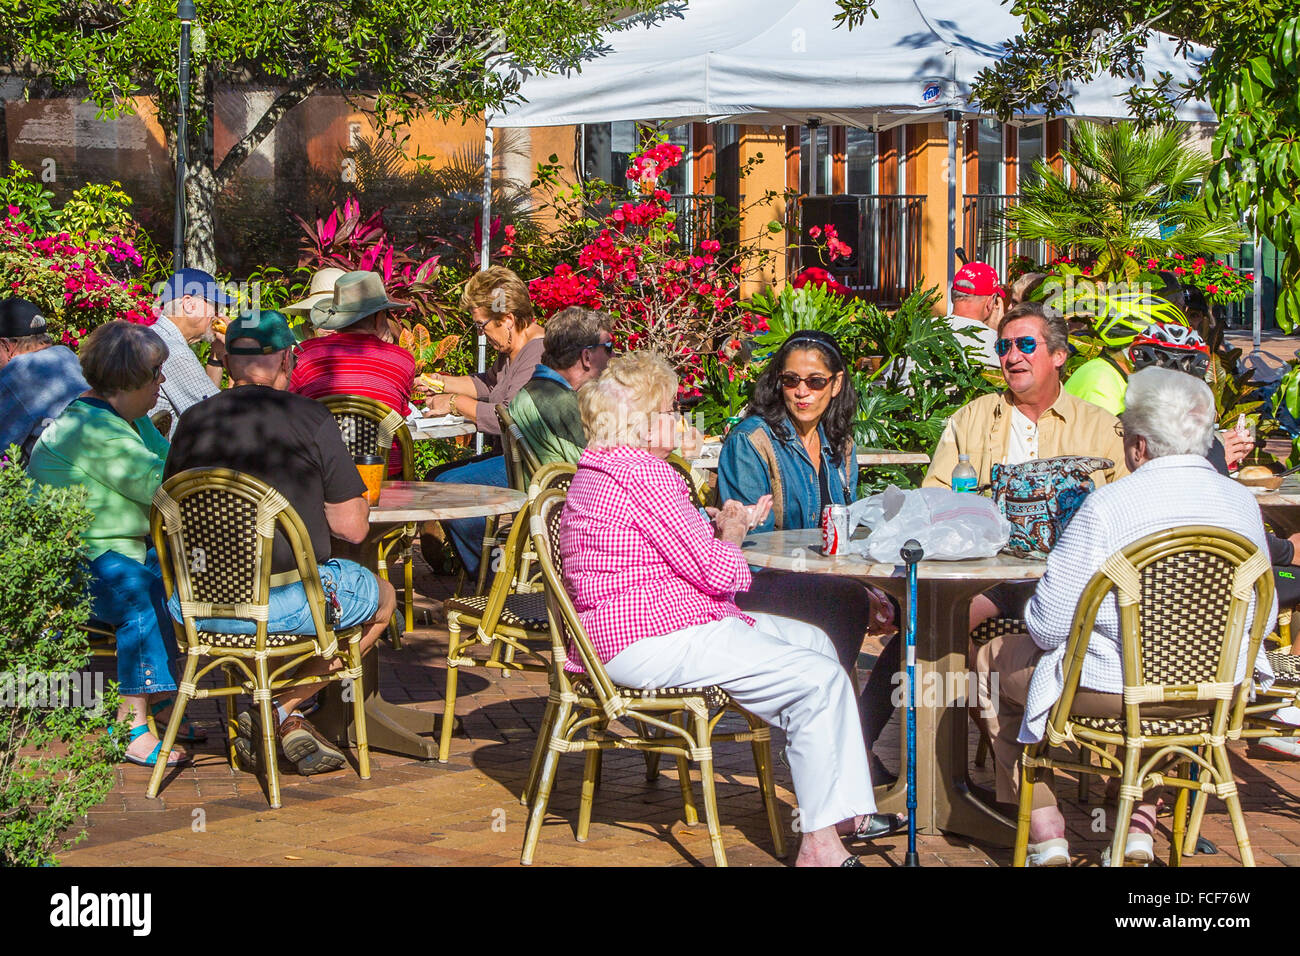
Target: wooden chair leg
{"x": 762, "y": 747}
{"x": 359, "y": 709}
{"x": 690, "y": 814}
{"x": 173, "y": 725}
{"x": 707, "y": 786}
{"x": 539, "y": 751}
{"x": 1219, "y": 756}
{"x": 1028, "y": 777}
{"x": 454, "y": 648}
{"x": 270, "y": 745}
{"x": 590, "y": 775}
{"x": 546, "y": 779}
{"x": 1124, "y": 805}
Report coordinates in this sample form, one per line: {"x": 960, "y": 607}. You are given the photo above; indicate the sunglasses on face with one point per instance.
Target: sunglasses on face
{"x": 607, "y": 346}
{"x": 1027, "y": 344}
{"x": 157, "y": 372}
{"x": 789, "y": 380}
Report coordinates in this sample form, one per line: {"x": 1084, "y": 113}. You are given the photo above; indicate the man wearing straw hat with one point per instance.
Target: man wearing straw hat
{"x": 320, "y": 292}
{"x": 361, "y": 358}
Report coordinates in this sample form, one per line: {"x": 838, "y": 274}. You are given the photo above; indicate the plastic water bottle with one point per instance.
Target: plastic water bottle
{"x": 963, "y": 476}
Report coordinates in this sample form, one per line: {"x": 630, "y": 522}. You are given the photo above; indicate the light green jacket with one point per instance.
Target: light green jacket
{"x": 120, "y": 466}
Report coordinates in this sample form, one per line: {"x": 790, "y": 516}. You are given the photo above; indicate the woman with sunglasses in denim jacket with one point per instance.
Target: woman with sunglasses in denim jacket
{"x": 797, "y": 445}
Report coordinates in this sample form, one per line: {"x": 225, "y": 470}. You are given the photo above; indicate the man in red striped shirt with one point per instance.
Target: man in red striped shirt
{"x": 360, "y": 358}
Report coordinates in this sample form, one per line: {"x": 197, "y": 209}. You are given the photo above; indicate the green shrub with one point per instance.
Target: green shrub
{"x": 56, "y": 762}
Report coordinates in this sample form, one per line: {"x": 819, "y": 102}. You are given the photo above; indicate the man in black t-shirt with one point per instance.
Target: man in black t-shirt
{"x": 293, "y": 444}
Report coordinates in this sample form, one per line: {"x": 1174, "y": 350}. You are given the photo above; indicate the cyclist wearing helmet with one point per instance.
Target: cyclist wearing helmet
{"x": 1119, "y": 320}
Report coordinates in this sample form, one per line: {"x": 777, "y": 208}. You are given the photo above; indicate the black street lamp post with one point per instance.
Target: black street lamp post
{"x": 184, "y": 13}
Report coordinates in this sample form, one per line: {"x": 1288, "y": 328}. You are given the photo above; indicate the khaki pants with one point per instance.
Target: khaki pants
{"x": 1013, "y": 658}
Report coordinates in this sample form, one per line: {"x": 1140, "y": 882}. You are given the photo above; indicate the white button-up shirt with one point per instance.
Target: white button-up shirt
{"x": 1164, "y": 493}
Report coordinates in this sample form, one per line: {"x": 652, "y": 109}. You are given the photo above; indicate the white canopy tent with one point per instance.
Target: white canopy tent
{"x": 784, "y": 62}
{"x": 781, "y": 62}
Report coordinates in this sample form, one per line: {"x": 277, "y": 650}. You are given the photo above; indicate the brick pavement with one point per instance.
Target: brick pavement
{"x": 467, "y": 812}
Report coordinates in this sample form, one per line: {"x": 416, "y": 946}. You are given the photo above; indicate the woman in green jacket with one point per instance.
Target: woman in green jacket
{"x": 105, "y": 442}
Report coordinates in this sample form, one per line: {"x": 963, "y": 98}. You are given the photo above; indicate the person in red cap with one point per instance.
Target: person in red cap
{"x": 977, "y": 306}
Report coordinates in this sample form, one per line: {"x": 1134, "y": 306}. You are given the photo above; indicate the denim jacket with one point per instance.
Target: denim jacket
{"x": 745, "y": 472}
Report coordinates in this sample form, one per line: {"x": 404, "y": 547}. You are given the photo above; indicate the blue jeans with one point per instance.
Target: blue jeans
{"x": 467, "y": 533}
{"x": 128, "y": 596}
{"x": 288, "y": 611}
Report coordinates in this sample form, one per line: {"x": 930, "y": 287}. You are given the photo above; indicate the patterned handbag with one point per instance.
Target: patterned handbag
{"x": 1040, "y": 497}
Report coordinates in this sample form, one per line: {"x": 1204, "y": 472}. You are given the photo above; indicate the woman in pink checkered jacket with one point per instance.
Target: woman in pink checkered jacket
{"x": 653, "y": 581}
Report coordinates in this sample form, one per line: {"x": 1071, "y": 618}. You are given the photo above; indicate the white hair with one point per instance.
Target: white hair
{"x": 1172, "y": 410}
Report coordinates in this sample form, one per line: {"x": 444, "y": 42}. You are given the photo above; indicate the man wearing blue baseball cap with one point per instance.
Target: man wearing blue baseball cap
{"x": 190, "y": 301}
{"x": 37, "y": 378}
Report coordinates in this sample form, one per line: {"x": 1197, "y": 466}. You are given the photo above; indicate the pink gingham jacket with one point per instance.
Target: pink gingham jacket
{"x": 639, "y": 559}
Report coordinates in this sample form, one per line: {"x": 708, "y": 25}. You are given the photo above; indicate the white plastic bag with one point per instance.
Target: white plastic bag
{"x": 948, "y": 525}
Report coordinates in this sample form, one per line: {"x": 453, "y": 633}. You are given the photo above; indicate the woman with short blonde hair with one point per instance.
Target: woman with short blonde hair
{"x": 654, "y": 582}
{"x": 613, "y": 406}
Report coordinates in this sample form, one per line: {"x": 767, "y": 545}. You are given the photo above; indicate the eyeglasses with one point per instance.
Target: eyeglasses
{"x": 790, "y": 381}
{"x": 480, "y": 326}
{"x": 1027, "y": 345}
{"x": 157, "y": 372}
{"x": 607, "y": 346}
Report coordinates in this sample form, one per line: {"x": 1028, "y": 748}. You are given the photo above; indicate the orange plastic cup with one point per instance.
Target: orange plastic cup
{"x": 373, "y": 470}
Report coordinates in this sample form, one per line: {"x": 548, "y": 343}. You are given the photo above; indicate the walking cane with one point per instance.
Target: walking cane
{"x": 911, "y": 553}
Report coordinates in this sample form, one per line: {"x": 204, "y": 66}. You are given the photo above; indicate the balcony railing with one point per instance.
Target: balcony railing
{"x": 884, "y": 231}
{"x": 981, "y": 218}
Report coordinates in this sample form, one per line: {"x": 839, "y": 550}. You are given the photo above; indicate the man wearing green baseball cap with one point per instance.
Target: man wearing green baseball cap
{"x": 293, "y": 444}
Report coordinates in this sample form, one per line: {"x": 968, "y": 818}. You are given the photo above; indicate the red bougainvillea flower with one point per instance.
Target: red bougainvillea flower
{"x": 1152, "y": 263}
{"x": 1179, "y": 270}
{"x": 1211, "y": 288}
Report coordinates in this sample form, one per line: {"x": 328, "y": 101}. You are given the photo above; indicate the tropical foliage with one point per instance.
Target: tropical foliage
{"x": 1132, "y": 195}
{"x": 57, "y": 757}
{"x": 397, "y": 58}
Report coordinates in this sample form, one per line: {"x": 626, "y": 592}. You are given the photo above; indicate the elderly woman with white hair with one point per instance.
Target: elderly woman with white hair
{"x": 654, "y": 582}
{"x": 1168, "y": 425}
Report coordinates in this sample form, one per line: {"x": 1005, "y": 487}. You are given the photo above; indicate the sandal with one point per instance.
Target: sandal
{"x": 1053, "y": 852}
{"x": 875, "y": 825}
{"x": 186, "y": 732}
{"x": 853, "y": 861}
{"x": 151, "y": 760}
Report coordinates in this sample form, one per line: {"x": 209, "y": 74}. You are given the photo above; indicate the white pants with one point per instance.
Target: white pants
{"x": 785, "y": 672}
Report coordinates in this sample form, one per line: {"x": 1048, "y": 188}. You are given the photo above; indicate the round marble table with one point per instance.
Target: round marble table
{"x": 404, "y": 501}
{"x": 944, "y": 590}
{"x": 389, "y": 726}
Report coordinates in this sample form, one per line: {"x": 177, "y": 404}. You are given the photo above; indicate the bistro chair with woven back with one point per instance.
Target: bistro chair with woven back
{"x": 582, "y": 706}
{"x": 214, "y": 531}
{"x": 1183, "y": 599}
{"x": 509, "y": 620}
{"x": 369, "y": 427}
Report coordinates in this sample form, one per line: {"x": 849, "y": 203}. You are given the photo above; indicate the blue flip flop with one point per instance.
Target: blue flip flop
{"x": 192, "y": 737}
{"x": 152, "y": 759}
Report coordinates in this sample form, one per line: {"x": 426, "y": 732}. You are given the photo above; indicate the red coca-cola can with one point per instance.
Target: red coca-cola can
{"x": 835, "y": 529}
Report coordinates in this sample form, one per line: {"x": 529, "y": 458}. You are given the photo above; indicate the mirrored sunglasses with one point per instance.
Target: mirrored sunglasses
{"x": 1027, "y": 344}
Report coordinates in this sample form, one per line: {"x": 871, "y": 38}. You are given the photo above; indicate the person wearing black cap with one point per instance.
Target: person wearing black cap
{"x": 37, "y": 378}
{"x": 191, "y": 302}
{"x": 293, "y": 444}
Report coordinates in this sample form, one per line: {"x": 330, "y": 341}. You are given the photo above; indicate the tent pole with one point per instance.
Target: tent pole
{"x": 485, "y": 249}
{"x": 1257, "y": 312}
{"x": 951, "y": 176}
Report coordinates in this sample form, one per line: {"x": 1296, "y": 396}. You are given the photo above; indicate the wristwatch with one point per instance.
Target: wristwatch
{"x": 215, "y": 362}
{"x": 451, "y": 406}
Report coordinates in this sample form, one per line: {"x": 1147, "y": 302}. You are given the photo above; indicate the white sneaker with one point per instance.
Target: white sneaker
{"x": 1054, "y": 852}
{"x": 1283, "y": 746}
{"x": 1139, "y": 850}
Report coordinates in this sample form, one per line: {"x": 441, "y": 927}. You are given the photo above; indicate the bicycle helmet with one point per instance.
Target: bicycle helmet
{"x": 1120, "y": 317}
{"x": 1169, "y": 345}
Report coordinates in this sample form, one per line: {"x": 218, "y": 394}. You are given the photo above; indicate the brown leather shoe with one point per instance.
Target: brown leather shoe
{"x": 303, "y": 743}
